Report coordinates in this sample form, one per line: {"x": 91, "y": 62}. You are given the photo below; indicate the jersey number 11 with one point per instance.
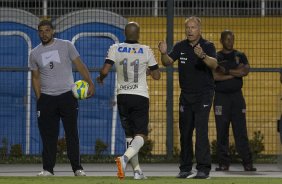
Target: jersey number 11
{"x": 134, "y": 64}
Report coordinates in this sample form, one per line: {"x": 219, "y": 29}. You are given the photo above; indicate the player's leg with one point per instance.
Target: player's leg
{"x": 69, "y": 112}
{"x": 186, "y": 128}
{"x": 240, "y": 130}
{"x": 202, "y": 149}
{"x": 123, "y": 110}
{"x": 222, "y": 112}
{"x": 133, "y": 149}
{"x": 134, "y": 161}
{"x": 134, "y": 113}
{"x": 139, "y": 116}
{"x": 48, "y": 124}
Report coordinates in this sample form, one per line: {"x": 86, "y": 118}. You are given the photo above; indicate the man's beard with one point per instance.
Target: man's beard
{"x": 46, "y": 42}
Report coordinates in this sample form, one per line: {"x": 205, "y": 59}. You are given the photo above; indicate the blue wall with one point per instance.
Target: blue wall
{"x": 95, "y": 114}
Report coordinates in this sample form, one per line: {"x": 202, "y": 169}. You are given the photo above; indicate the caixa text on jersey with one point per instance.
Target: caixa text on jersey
{"x": 127, "y": 87}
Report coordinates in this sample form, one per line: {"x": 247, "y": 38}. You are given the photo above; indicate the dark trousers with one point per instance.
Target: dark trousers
{"x": 50, "y": 109}
{"x": 194, "y": 114}
{"x": 231, "y": 107}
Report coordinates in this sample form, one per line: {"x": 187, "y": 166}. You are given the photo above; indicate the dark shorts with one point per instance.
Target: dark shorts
{"x": 134, "y": 114}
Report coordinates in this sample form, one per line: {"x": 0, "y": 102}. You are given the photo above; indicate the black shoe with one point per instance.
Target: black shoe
{"x": 184, "y": 174}
{"x": 202, "y": 175}
{"x": 222, "y": 168}
{"x": 249, "y": 167}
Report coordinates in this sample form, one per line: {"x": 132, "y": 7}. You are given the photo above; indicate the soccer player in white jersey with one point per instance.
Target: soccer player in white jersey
{"x": 133, "y": 62}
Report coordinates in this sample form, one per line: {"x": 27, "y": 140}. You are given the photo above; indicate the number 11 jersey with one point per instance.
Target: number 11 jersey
{"x": 131, "y": 61}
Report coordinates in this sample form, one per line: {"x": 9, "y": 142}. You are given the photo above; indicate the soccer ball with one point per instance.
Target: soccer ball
{"x": 80, "y": 89}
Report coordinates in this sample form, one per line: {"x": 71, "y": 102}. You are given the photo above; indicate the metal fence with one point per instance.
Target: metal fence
{"x": 94, "y": 25}
{"x": 225, "y": 8}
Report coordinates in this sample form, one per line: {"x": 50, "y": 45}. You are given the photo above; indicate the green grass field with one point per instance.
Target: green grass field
{"x": 150, "y": 180}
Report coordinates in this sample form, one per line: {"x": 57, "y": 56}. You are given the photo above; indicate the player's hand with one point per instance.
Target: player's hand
{"x": 162, "y": 47}
{"x": 91, "y": 90}
{"x": 199, "y": 51}
{"x": 99, "y": 81}
{"x": 221, "y": 69}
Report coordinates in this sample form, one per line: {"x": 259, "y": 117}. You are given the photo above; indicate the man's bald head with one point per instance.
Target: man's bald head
{"x": 132, "y": 30}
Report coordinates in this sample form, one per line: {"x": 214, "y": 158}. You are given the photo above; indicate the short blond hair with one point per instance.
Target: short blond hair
{"x": 195, "y": 19}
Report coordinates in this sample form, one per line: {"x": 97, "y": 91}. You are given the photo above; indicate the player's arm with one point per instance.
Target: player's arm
{"x": 104, "y": 71}
{"x": 219, "y": 76}
{"x": 153, "y": 67}
{"x": 155, "y": 72}
{"x": 166, "y": 60}
{"x": 208, "y": 58}
{"x": 82, "y": 69}
{"x": 243, "y": 68}
{"x": 241, "y": 71}
{"x": 210, "y": 62}
{"x": 35, "y": 76}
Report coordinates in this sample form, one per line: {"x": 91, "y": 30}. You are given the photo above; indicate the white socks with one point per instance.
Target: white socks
{"x": 133, "y": 146}
{"x": 128, "y": 141}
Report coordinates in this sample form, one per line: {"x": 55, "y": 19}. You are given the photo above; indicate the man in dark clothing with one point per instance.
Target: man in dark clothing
{"x": 229, "y": 103}
{"x": 196, "y": 60}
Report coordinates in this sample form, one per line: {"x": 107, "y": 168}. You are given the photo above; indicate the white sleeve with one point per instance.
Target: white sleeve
{"x": 111, "y": 53}
{"x": 151, "y": 58}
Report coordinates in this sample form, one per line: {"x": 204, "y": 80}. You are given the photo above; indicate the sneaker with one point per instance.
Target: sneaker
{"x": 139, "y": 175}
{"x": 222, "y": 168}
{"x": 249, "y": 167}
{"x": 79, "y": 172}
{"x": 45, "y": 173}
{"x": 202, "y": 175}
{"x": 121, "y": 164}
{"x": 185, "y": 174}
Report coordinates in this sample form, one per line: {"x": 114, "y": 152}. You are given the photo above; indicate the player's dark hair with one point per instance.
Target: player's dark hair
{"x": 46, "y": 23}
{"x": 225, "y": 33}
